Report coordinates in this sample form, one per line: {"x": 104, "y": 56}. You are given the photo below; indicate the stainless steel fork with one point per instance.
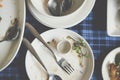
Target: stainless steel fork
{"x": 61, "y": 61}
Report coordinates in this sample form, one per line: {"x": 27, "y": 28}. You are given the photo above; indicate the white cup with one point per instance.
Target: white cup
{"x": 64, "y": 46}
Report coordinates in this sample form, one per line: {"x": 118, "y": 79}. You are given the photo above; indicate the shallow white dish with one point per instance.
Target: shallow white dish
{"x": 8, "y": 49}
{"x": 113, "y": 17}
{"x": 33, "y": 67}
{"x": 65, "y": 21}
{"x": 109, "y": 59}
{"x": 41, "y": 6}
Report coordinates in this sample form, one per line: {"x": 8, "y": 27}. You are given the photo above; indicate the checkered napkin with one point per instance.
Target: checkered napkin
{"x": 97, "y": 37}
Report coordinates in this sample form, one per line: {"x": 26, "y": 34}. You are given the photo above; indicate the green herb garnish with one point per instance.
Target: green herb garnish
{"x": 77, "y": 47}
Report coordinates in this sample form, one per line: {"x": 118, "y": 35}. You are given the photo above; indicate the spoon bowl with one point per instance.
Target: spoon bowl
{"x": 58, "y": 7}
{"x": 54, "y": 6}
{"x": 54, "y": 77}
{"x": 67, "y": 5}
{"x": 12, "y": 33}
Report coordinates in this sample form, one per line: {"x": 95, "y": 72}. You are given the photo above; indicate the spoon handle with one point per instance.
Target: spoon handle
{"x": 36, "y": 34}
{"x": 32, "y": 50}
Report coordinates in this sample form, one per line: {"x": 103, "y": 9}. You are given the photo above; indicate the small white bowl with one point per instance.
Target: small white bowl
{"x": 79, "y": 11}
{"x": 64, "y": 46}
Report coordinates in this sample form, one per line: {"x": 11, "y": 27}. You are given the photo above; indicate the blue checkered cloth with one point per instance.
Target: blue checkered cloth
{"x": 93, "y": 29}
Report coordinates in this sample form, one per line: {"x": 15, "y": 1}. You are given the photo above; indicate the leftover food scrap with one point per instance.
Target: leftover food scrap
{"x": 0, "y": 18}
{"x": 114, "y": 72}
{"x": 1, "y": 3}
{"x": 77, "y": 46}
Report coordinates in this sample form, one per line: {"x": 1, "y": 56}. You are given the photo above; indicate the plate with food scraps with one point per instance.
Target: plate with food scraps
{"x": 10, "y": 12}
{"x": 113, "y": 22}
{"x": 111, "y": 65}
{"x": 79, "y": 55}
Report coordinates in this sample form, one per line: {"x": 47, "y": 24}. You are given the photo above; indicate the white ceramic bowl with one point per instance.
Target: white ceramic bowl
{"x": 113, "y": 22}
{"x": 64, "y": 46}
{"x": 41, "y": 6}
{"x": 80, "y": 8}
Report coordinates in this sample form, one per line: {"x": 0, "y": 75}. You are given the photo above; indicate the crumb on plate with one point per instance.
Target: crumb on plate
{"x": 1, "y": 4}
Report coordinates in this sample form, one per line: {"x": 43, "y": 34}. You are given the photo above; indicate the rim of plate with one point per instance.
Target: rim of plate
{"x": 91, "y": 52}
{"x": 45, "y": 19}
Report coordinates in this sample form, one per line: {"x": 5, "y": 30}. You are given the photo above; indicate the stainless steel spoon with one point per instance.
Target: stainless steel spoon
{"x": 57, "y": 7}
{"x": 67, "y": 5}
{"x": 12, "y": 33}
{"x": 31, "y": 49}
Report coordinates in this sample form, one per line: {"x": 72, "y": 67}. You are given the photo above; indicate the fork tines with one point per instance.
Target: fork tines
{"x": 66, "y": 66}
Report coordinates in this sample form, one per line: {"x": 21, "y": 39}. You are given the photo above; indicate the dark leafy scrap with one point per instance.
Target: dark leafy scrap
{"x": 117, "y": 59}
{"x": 0, "y": 18}
{"x": 114, "y": 71}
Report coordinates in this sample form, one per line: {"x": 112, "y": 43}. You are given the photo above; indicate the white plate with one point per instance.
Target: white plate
{"x": 108, "y": 59}
{"x": 113, "y": 17}
{"x": 63, "y": 22}
{"x": 8, "y": 49}
{"x": 33, "y": 68}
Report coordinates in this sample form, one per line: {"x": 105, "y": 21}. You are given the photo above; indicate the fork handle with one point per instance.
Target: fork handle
{"x": 38, "y": 36}
{"x": 32, "y": 50}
